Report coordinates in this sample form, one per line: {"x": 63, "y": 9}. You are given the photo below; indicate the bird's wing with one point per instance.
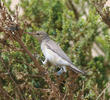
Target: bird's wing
{"x": 56, "y": 48}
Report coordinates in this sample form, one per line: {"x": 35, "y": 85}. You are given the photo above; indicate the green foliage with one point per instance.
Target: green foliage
{"x": 75, "y": 37}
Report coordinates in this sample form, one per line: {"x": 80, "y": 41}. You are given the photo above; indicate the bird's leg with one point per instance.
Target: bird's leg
{"x": 60, "y": 72}
{"x": 62, "y": 69}
{"x": 45, "y": 61}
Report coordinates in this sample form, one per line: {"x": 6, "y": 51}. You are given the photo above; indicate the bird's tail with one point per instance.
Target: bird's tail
{"x": 75, "y": 69}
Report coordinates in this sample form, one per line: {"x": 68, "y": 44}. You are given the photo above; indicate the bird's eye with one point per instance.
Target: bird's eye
{"x": 38, "y": 34}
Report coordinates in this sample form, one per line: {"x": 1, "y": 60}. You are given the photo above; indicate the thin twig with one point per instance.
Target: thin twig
{"x": 108, "y": 85}
{"x": 72, "y": 7}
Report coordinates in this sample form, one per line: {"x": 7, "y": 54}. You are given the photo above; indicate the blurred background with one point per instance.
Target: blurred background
{"x": 80, "y": 27}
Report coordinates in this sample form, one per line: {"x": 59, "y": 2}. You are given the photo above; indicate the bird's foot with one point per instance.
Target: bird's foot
{"x": 44, "y": 62}
{"x": 60, "y": 72}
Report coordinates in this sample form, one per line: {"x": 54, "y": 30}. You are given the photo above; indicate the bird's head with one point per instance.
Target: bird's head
{"x": 40, "y": 35}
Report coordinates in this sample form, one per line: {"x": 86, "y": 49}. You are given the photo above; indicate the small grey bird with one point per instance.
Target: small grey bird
{"x": 53, "y": 53}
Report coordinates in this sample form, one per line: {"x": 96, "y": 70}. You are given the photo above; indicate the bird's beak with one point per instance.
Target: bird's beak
{"x": 31, "y": 33}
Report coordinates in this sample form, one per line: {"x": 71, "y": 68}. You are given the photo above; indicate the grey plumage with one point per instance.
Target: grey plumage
{"x": 53, "y": 53}
{"x": 56, "y": 48}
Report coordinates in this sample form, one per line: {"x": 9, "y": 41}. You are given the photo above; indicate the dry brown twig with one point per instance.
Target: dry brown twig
{"x": 11, "y": 77}
{"x": 104, "y": 90}
{"x": 10, "y": 26}
{"x": 71, "y": 6}
{"x": 5, "y": 94}
{"x": 105, "y": 14}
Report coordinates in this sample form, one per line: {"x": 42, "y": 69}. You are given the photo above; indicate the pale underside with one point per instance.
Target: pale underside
{"x": 54, "y": 53}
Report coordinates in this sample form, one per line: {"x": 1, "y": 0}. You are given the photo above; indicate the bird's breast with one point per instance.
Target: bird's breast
{"x": 51, "y": 56}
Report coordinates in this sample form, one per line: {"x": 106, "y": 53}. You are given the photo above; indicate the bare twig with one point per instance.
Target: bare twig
{"x": 103, "y": 92}
{"x": 72, "y": 7}
{"x": 11, "y": 77}
{"x": 11, "y": 28}
{"x": 5, "y": 94}
{"x": 103, "y": 13}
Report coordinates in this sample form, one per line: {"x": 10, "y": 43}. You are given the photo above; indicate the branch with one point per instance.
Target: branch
{"x": 105, "y": 15}
{"x": 12, "y": 78}
{"x": 104, "y": 90}
{"x": 5, "y": 94}
{"x": 12, "y": 28}
{"x": 72, "y": 7}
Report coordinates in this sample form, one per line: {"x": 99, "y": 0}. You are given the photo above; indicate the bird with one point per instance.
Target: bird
{"x": 53, "y": 53}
